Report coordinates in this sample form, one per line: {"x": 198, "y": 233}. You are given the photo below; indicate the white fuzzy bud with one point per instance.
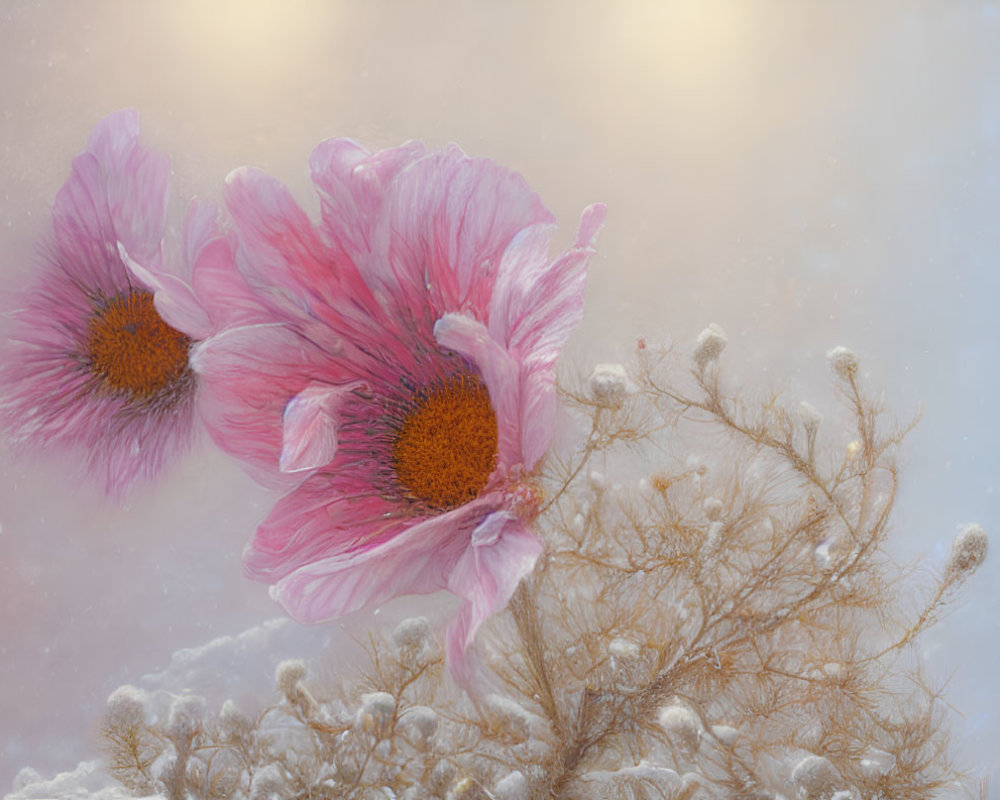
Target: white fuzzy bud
{"x": 968, "y": 551}
{"x": 186, "y": 714}
{"x": 709, "y": 345}
{"x": 516, "y": 721}
{"x": 512, "y": 787}
{"x": 376, "y": 713}
{"x": 288, "y": 678}
{"x": 623, "y": 649}
{"x": 713, "y": 508}
{"x": 268, "y": 783}
{"x": 682, "y": 727}
{"x": 414, "y": 640}
{"x": 127, "y": 706}
{"x": 288, "y": 674}
{"x": 843, "y": 362}
{"x": 815, "y": 778}
{"x": 233, "y": 721}
{"x": 609, "y": 384}
{"x": 726, "y": 734}
{"x": 421, "y": 722}
{"x": 468, "y": 789}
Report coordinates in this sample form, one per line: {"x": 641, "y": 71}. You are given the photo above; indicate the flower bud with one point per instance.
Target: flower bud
{"x": 709, "y": 345}
{"x": 609, "y": 384}
{"x": 968, "y": 551}
{"x": 843, "y": 362}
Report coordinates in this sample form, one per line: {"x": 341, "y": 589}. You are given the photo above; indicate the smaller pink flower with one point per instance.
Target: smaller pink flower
{"x": 97, "y": 360}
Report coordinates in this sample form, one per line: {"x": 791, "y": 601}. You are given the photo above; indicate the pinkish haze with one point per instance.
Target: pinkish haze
{"x": 805, "y": 175}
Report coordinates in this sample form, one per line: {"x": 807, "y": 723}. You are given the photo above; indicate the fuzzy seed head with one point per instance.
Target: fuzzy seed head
{"x": 682, "y": 727}
{"x": 713, "y": 508}
{"x": 126, "y": 706}
{"x": 267, "y": 783}
{"x": 376, "y": 713}
{"x": 609, "y": 385}
{"x": 709, "y": 345}
{"x": 421, "y": 722}
{"x": 843, "y": 362}
{"x": 968, "y": 551}
{"x": 288, "y": 674}
{"x": 186, "y": 714}
{"x": 623, "y": 649}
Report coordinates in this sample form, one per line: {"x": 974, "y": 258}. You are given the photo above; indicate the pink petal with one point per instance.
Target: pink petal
{"x": 210, "y": 258}
{"x": 248, "y": 374}
{"x": 136, "y": 182}
{"x": 501, "y": 553}
{"x": 309, "y": 436}
{"x": 538, "y": 417}
{"x": 313, "y": 521}
{"x": 417, "y": 560}
{"x": 175, "y": 300}
{"x": 537, "y": 304}
{"x": 499, "y": 372}
{"x": 451, "y": 219}
{"x": 353, "y": 184}
{"x": 117, "y": 191}
{"x": 280, "y": 252}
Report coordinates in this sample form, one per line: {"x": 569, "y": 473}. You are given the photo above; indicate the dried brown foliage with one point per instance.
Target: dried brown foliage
{"x": 723, "y": 622}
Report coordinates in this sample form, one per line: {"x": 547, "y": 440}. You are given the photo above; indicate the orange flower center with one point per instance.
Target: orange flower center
{"x": 446, "y": 448}
{"x": 132, "y": 349}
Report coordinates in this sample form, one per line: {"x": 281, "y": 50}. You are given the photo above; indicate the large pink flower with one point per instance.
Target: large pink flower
{"x": 405, "y": 385}
{"x": 95, "y": 362}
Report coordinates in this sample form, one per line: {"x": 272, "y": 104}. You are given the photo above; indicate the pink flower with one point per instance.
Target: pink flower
{"x": 94, "y": 363}
{"x": 406, "y": 386}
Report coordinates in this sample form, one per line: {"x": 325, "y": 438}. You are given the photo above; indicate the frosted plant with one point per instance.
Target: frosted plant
{"x": 843, "y": 361}
{"x": 968, "y": 552}
{"x": 731, "y": 627}
{"x": 609, "y": 384}
{"x": 710, "y": 344}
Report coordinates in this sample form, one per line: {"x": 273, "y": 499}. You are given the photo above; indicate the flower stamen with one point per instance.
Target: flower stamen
{"x": 131, "y": 349}
{"x": 446, "y": 447}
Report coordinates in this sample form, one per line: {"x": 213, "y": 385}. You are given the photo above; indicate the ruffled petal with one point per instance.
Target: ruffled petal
{"x": 248, "y": 374}
{"x": 280, "y": 253}
{"x": 537, "y": 303}
{"x": 117, "y": 191}
{"x": 501, "y": 552}
{"x": 313, "y": 521}
{"x": 450, "y": 220}
{"x": 309, "y": 434}
{"x": 416, "y": 560}
{"x": 175, "y": 300}
{"x": 353, "y": 184}
{"x": 210, "y": 257}
{"x": 499, "y": 372}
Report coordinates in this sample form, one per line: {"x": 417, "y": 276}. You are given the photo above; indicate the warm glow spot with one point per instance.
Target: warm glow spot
{"x": 446, "y": 447}
{"x": 132, "y": 349}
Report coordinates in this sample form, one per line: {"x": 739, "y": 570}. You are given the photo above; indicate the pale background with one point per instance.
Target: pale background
{"x": 805, "y": 174}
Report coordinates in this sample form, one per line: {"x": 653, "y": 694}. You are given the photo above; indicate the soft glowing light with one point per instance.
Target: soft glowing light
{"x": 255, "y": 44}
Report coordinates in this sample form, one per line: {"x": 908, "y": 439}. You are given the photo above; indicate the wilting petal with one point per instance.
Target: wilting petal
{"x": 501, "y": 552}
